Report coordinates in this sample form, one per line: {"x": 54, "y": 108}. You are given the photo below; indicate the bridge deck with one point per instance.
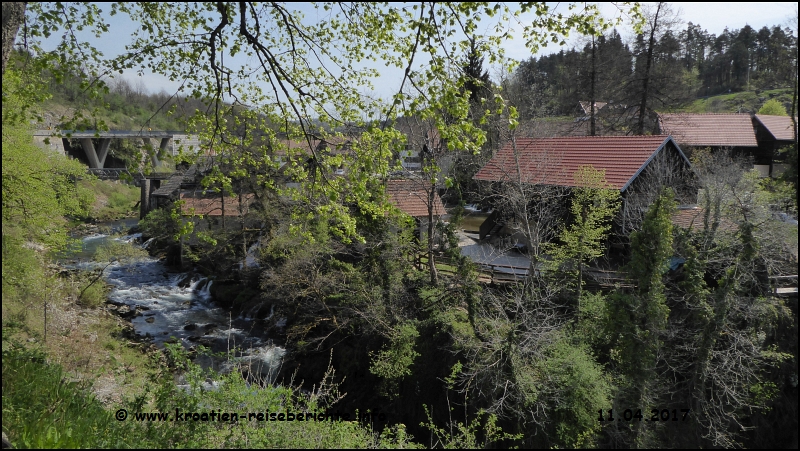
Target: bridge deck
{"x": 110, "y": 134}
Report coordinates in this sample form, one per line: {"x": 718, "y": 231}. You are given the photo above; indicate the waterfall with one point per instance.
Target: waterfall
{"x": 251, "y": 314}
{"x": 250, "y": 260}
{"x": 206, "y": 290}
{"x": 198, "y": 284}
{"x": 130, "y": 238}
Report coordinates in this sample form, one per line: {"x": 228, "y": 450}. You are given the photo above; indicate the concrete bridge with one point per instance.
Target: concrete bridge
{"x": 171, "y": 141}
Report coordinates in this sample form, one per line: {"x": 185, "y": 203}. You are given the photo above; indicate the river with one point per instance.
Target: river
{"x": 169, "y": 306}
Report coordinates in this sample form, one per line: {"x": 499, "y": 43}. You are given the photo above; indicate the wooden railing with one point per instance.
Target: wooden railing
{"x": 492, "y": 273}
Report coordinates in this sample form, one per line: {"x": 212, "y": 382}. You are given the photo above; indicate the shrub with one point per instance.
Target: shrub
{"x": 773, "y": 107}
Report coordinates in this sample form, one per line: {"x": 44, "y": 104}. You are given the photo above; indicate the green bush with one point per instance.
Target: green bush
{"x": 773, "y": 107}
{"x": 42, "y": 409}
{"x": 94, "y": 292}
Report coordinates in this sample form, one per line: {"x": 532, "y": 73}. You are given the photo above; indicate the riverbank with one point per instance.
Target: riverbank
{"x": 82, "y": 377}
{"x": 90, "y": 341}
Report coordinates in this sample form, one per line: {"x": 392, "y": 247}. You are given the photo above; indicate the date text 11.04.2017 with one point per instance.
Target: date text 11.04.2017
{"x": 636, "y": 415}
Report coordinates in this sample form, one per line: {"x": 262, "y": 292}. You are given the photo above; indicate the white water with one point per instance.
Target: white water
{"x": 185, "y": 314}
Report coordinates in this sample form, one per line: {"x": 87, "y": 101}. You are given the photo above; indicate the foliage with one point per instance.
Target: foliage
{"x": 119, "y": 251}
{"x": 166, "y": 223}
{"x": 773, "y": 108}
{"x": 594, "y": 205}
{"x": 113, "y": 200}
{"x": 304, "y": 80}
{"x": 39, "y": 187}
{"x": 581, "y": 389}
{"x": 24, "y": 280}
{"x": 393, "y": 363}
{"x": 42, "y": 409}
{"x": 709, "y": 335}
{"x": 640, "y": 318}
{"x": 735, "y": 71}
{"x": 481, "y": 432}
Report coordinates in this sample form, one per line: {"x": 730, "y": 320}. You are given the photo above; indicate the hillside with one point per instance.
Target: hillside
{"x": 738, "y": 102}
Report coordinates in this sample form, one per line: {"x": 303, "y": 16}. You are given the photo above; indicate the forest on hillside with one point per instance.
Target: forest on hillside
{"x": 681, "y": 64}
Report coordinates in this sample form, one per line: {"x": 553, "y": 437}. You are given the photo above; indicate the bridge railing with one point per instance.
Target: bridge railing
{"x": 116, "y": 173}
{"x": 109, "y": 173}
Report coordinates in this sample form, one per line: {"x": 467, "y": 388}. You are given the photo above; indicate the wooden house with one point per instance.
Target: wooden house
{"x": 638, "y": 166}
{"x": 755, "y": 136}
{"x": 412, "y": 197}
{"x": 773, "y": 133}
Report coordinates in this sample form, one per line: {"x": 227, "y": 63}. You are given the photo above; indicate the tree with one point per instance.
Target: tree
{"x": 304, "y": 80}
{"x": 477, "y": 84}
{"x": 39, "y": 187}
{"x": 13, "y": 16}
{"x": 772, "y": 108}
{"x": 594, "y": 205}
{"x": 534, "y": 208}
{"x": 640, "y": 318}
{"x": 660, "y": 21}
{"x": 525, "y": 367}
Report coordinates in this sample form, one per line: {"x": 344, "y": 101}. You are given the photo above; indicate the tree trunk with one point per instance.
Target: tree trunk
{"x": 13, "y": 16}
{"x": 646, "y": 81}
{"x": 431, "y": 262}
{"x": 222, "y": 201}
{"x": 592, "y": 100}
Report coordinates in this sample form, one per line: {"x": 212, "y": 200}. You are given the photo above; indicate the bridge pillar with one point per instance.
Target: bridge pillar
{"x": 148, "y": 142}
{"x": 144, "y": 204}
{"x": 102, "y": 152}
{"x": 88, "y": 149}
{"x": 164, "y": 144}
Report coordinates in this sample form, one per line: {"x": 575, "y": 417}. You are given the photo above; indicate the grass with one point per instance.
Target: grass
{"x": 42, "y": 409}
{"x": 45, "y": 407}
{"x": 113, "y": 199}
{"x": 737, "y": 102}
{"x": 61, "y": 389}
{"x": 442, "y": 267}
{"x": 79, "y": 334}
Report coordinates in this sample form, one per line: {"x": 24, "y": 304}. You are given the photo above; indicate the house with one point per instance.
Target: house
{"x": 586, "y": 107}
{"x": 638, "y": 166}
{"x": 411, "y": 196}
{"x": 753, "y": 135}
{"x": 773, "y": 133}
{"x": 210, "y": 204}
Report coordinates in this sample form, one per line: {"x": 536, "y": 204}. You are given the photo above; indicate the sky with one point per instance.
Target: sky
{"x": 713, "y": 17}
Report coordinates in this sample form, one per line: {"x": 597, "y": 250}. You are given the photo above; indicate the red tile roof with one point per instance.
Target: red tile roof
{"x": 410, "y": 197}
{"x": 689, "y": 218}
{"x": 692, "y": 218}
{"x": 733, "y": 130}
{"x": 780, "y": 127}
{"x": 553, "y": 161}
{"x": 211, "y": 204}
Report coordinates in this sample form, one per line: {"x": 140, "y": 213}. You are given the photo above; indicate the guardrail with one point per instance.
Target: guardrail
{"x": 115, "y": 173}
{"x": 108, "y": 173}
{"x": 493, "y": 272}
